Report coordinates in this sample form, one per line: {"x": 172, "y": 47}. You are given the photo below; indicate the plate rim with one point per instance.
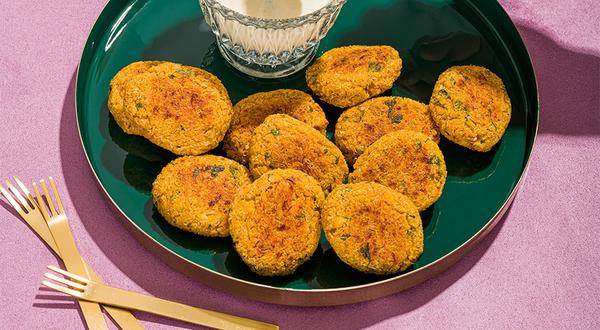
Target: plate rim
{"x": 291, "y": 296}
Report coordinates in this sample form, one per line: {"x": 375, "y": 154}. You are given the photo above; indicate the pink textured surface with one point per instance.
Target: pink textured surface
{"x": 539, "y": 268}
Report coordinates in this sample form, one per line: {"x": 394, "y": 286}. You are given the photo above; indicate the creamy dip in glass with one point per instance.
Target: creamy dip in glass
{"x": 270, "y": 38}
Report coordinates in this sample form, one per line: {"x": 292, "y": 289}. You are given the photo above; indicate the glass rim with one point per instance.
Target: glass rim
{"x": 274, "y": 23}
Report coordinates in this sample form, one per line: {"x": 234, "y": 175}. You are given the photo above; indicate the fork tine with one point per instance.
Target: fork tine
{"x": 48, "y": 199}
{"x": 62, "y": 289}
{"x": 68, "y": 274}
{"x": 25, "y": 190}
{"x": 12, "y": 201}
{"x": 41, "y": 203}
{"x": 64, "y": 281}
{"x": 18, "y": 195}
{"x": 56, "y": 196}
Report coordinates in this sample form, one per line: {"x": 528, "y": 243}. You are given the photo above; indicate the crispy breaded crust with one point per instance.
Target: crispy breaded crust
{"x": 116, "y": 93}
{"x": 471, "y": 107}
{"x": 178, "y": 109}
{"x": 373, "y": 228}
{"x": 407, "y": 161}
{"x": 347, "y": 76}
{"x": 360, "y": 126}
{"x": 284, "y": 142}
{"x": 252, "y": 111}
{"x": 274, "y": 221}
{"x": 169, "y": 103}
{"x": 195, "y": 193}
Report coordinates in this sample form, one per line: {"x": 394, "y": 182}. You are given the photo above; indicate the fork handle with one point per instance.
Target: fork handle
{"x": 122, "y": 317}
{"x": 141, "y": 302}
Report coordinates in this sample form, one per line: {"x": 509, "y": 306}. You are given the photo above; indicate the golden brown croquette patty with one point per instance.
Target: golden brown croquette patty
{"x": 360, "y": 126}
{"x": 116, "y": 92}
{"x": 471, "y": 107}
{"x": 274, "y": 221}
{"x": 195, "y": 193}
{"x": 284, "y": 142}
{"x": 252, "y": 111}
{"x": 407, "y": 161}
{"x": 373, "y": 228}
{"x": 178, "y": 109}
{"x": 347, "y": 76}
{"x": 216, "y": 83}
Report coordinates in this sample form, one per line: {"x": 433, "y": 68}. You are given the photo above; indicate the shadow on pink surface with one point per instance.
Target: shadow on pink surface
{"x": 10, "y": 209}
{"x": 52, "y": 299}
{"x": 564, "y": 78}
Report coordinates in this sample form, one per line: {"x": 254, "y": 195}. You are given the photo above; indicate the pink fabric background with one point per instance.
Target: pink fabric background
{"x": 539, "y": 268}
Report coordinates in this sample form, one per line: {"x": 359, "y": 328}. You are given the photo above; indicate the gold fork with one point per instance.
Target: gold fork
{"x": 59, "y": 227}
{"x": 30, "y": 211}
{"x": 83, "y": 288}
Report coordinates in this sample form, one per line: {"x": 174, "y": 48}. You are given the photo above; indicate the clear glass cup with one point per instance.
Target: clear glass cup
{"x": 269, "y": 48}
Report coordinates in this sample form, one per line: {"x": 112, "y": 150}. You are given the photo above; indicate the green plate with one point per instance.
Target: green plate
{"x": 431, "y": 35}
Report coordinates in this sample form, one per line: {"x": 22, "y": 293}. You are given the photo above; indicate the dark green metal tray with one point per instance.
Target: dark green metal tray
{"x": 431, "y": 35}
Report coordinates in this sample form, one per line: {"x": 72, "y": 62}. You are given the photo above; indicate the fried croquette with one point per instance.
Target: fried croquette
{"x": 274, "y": 221}
{"x": 181, "y": 111}
{"x": 471, "y": 107}
{"x": 347, "y": 76}
{"x": 373, "y": 228}
{"x": 284, "y": 142}
{"x": 195, "y": 193}
{"x": 252, "y": 111}
{"x": 116, "y": 94}
{"x": 360, "y": 126}
{"x": 407, "y": 161}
